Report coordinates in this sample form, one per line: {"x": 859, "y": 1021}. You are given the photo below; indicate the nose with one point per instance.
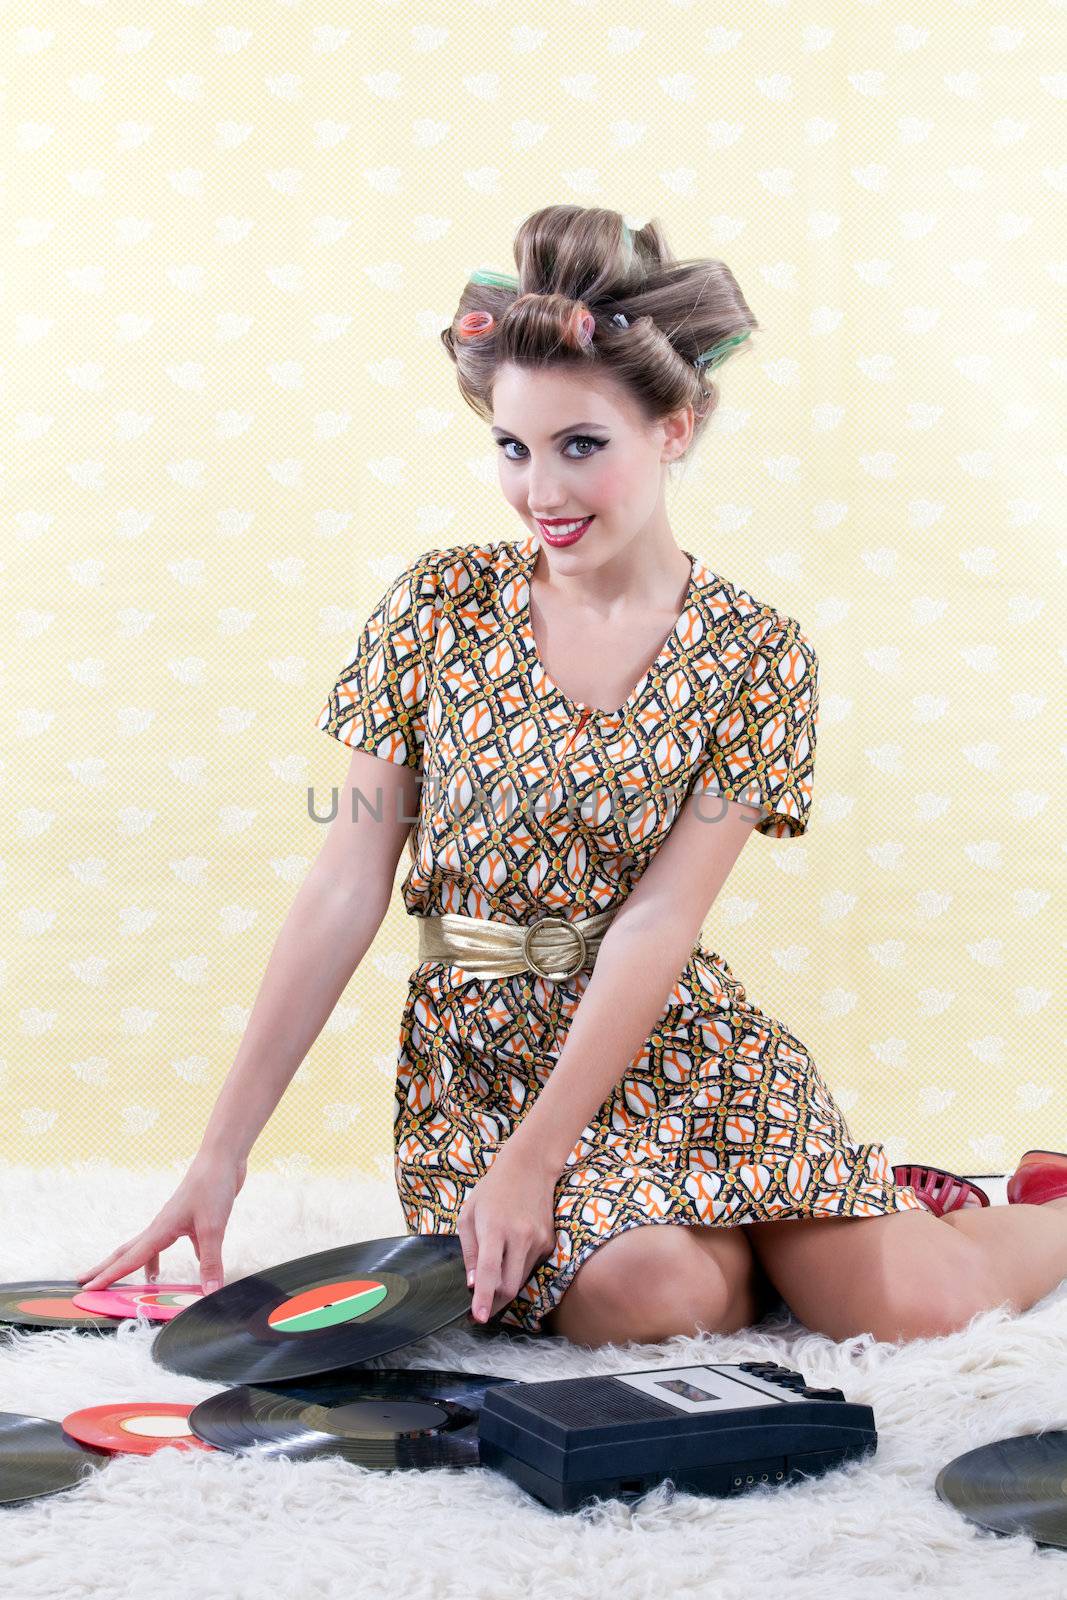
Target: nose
{"x": 545, "y": 492}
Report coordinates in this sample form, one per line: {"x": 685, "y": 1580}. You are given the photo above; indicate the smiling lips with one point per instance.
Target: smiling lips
{"x": 561, "y": 533}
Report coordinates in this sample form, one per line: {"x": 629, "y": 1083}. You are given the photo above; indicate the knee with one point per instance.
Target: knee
{"x": 683, "y": 1292}
{"x": 666, "y": 1286}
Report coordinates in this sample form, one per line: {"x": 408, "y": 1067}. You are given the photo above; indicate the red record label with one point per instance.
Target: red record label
{"x": 157, "y": 1301}
{"x": 49, "y": 1306}
{"x": 138, "y": 1428}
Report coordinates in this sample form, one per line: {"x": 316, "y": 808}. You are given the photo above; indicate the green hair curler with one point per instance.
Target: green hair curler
{"x": 496, "y": 280}
{"x": 717, "y": 353}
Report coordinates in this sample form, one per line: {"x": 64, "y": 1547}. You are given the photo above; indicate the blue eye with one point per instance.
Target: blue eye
{"x": 575, "y": 438}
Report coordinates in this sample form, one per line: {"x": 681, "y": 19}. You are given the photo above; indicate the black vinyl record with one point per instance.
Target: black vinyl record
{"x": 48, "y": 1303}
{"x": 37, "y": 1457}
{"x": 1016, "y": 1485}
{"x": 412, "y": 1417}
{"x": 332, "y": 1309}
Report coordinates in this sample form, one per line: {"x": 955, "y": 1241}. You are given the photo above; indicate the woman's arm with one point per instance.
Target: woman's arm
{"x": 637, "y": 965}
{"x": 329, "y": 927}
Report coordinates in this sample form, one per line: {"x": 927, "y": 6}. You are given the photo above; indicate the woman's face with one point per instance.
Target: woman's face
{"x": 606, "y": 463}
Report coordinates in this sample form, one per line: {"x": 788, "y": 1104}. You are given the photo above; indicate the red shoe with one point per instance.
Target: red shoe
{"x": 1041, "y": 1175}
{"x": 942, "y": 1191}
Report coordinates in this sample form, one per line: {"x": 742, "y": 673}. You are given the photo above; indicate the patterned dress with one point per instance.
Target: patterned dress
{"x": 532, "y": 803}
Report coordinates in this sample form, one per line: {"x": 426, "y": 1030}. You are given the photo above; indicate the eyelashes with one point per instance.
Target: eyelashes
{"x": 581, "y": 438}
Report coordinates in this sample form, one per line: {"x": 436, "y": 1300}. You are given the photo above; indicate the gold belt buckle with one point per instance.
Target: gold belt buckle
{"x": 528, "y": 954}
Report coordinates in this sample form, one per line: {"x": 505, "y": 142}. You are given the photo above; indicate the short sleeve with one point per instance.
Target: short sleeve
{"x": 761, "y": 748}
{"x": 379, "y": 700}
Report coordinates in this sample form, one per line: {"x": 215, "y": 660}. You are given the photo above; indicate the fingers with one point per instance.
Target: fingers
{"x": 469, "y": 1240}
{"x": 513, "y": 1274}
{"x": 101, "y": 1275}
{"x": 518, "y": 1257}
{"x": 487, "y": 1276}
{"x": 151, "y": 1269}
{"x": 208, "y": 1243}
{"x": 135, "y": 1253}
{"x": 85, "y": 1277}
{"x": 117, "y": 1268}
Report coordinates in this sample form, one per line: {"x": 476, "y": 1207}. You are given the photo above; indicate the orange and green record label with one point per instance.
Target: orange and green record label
{"x": 326, "y": 1306}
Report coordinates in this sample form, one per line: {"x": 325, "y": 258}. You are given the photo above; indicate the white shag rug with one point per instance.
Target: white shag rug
{"x": 250, "y": 1527}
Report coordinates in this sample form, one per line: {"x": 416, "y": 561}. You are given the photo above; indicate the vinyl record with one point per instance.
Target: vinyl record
{"x": 48, "y": 1303}
{"x": 331, "y": 1309}
{"x": 411, "y": 1417}
{"x": 37, "y": 1457}
{"x": 159, "y": 1302}
{"x": 133, "y": 1427}
{"x": 1015, "y": 1485}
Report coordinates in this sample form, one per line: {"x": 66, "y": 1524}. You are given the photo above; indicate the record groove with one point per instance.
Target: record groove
{"x": 318, "y": 1312}
{"x": 1015, "y": 1485}
{"x": 38, "y": 1458}
{"x": 48, "y": 1303}
{"x": 412, "y": 1417}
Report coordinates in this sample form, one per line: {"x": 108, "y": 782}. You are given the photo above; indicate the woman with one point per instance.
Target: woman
{"x": 589, "y": 724}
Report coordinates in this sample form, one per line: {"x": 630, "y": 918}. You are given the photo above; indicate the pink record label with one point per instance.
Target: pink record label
{"x": 157, "y": 1301}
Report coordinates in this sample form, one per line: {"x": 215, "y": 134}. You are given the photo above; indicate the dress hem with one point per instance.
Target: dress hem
{"x": 551, "y": 1292}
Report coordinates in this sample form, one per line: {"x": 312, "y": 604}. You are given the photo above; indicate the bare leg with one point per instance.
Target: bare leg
{"x": 912, "y": 1274}
{"x": 653, "y": 1281}
{"x": 1024, "y": 1247}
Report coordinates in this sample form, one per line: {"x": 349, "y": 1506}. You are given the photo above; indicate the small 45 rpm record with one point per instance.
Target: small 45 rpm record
{"x": 37, "y": 1457}
{"x": 159, "y": 1302}
{"x": 1016, "y": 1485}
{"x": 135, "y": 1427}
{"x": 318, "y": 1312}
{"x": 415, "y": 1417}
{"x": 48, "y": 1303}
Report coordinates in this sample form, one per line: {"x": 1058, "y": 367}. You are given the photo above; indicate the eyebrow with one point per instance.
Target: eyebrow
{"x": 569, "y": 429}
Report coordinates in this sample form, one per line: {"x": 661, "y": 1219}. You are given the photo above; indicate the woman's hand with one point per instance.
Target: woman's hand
{"x": 506, "y": 1226}
{"x": 200, "y": 1208}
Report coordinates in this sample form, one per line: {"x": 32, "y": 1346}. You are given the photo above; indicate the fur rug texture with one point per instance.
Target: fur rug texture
{"x": 249, "y": 1527}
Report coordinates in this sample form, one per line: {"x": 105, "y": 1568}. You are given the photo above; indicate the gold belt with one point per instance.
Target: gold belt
{"x": 553, "y": 947}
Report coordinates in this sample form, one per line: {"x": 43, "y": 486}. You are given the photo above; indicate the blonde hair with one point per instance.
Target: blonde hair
{"x": 592, "y": 292}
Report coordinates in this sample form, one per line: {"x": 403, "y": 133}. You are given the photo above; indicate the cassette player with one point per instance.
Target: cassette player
{"x": 711, "y": 1429}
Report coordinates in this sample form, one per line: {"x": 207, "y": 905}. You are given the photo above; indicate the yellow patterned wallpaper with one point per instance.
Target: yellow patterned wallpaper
{"x": 232, "y": 243}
